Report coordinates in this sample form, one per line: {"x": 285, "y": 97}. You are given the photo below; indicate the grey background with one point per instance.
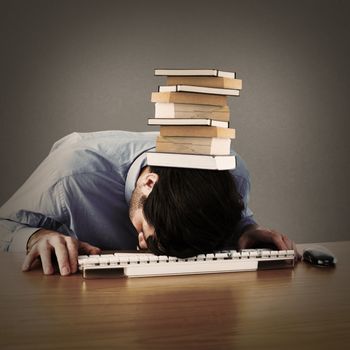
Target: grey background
{"x": 88, "y": 65}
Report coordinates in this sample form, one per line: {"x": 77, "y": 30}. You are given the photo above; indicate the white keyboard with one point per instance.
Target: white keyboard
{"x": 139, "y": 264}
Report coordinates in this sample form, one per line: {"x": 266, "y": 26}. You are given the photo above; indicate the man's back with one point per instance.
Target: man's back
{"x": 79, "y": 190}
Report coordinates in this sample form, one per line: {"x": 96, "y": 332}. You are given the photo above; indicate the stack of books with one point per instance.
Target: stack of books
{"x": 193, "y": 115}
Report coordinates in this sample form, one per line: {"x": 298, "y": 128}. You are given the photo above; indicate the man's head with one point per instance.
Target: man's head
{"x": 185, "y": 212}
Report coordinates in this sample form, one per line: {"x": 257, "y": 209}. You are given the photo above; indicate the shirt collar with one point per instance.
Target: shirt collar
{"x": 133, "y": 174}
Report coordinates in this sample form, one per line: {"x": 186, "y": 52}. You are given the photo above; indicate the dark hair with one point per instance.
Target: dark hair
{"x": 193, "y": 211}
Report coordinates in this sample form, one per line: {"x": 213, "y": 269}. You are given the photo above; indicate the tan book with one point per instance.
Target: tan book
{"x": 194, "y": 145}
{"x": 214, "y": 82}
{"x": 197, "y": 131}
{"x": 183, "y": 110}
{"x": 189, "y": 97}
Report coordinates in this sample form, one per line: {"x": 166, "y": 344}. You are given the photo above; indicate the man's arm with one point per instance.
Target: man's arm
{"x": 43, "y": 244}
{"x": 35, "y": 220}
{"x": 249, "y": 232}
{"x": 14, "y": 235}
{"x": 37, "y": 204}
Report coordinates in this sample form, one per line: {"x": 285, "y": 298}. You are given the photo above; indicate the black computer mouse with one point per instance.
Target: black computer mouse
{"x": 319, "y": 256}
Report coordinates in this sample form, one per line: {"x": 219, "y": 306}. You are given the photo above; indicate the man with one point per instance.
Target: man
{"x": 95, "y": 191}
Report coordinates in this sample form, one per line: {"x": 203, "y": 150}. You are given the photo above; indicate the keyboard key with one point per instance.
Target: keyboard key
{"x": 236, "y": 255}
{"x": 290, "y": 253}
{"x": 210, "y": 256}
{"x": 162, "y": 258}
{"x": 253, "y": 254}
{"x": 221, "y": 256}
{"x": 265, "y": 254}
{"x": 245, "y": 254}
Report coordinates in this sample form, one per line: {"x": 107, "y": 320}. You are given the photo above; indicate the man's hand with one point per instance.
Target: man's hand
{"x": 44, "y": 243}
{"x": 256, "y": 235}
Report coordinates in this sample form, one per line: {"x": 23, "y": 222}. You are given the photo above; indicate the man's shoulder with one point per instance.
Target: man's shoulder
{"x": 241, "y": 171}
{"x": 101, "y": 151}
{"x": 103, "y": 138}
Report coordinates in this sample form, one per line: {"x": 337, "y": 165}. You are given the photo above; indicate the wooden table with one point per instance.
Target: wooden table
{"x": 301, "y": 308}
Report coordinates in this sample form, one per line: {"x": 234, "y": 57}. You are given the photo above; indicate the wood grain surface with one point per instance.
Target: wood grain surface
{"x": 301, "y": 308}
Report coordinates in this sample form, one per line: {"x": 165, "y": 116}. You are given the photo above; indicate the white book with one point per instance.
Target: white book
{"x": 195, "y": 72}
{"x": 198, "y": 89}
{"x": 183, "y": 110}
{"x": 194, "y": 161}
{"x": 187, "y": 121}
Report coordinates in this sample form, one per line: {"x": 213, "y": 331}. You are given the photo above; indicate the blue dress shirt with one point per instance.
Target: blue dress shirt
{"x": 83, "y": 189}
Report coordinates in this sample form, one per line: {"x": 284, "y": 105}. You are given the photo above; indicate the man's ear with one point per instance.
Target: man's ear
{"x": 147, "y": 183}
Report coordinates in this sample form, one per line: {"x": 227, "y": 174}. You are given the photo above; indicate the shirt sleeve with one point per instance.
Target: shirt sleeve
{"x": 242, "y": 180}
{"x": 28, "y": 210}
{"x": 247, "y": 214}
{"x": 14, "y": 236}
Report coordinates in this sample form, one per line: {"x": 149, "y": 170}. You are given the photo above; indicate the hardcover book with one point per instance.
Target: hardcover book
{"x": 198, "y": 89}
{"x": 183, "y": 110}
{"x": 197, "y": 131}
{"x": 214, "y": 82}
{"x": 189, "y": 97}
{"x": 193, "y": 161}
{"x": 194, "y": 145}
{"x": 187, "y": 121}
{"x": 195, "y": 72}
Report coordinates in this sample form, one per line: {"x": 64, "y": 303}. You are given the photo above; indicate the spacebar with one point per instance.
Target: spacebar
{"x": 184, "y": 268}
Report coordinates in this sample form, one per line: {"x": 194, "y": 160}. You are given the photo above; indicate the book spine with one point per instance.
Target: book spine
{"x": 190, "y": 148}
{"x": 213, "y": 82}
{"x": 197, "y": 131}
{"x": 193, "y": 161}
{"x": 189, "y": 98}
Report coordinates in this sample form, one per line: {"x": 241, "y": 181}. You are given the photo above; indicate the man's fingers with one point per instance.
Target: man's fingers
{"x": 278, "y": 240}
{"x": 48, "y": 244}
{"x": 262, "y": 236}
{"x": 66, "y": 251}
{"x": 44, "y": 252}
{"x": 291, "y": 246}
{"x": 45, "y": 255}
{"x": 62, "y": 255}
{"x": 29, "y": 259}
{"x": 72, "y": 247}
{"x": 85, "y": 247}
